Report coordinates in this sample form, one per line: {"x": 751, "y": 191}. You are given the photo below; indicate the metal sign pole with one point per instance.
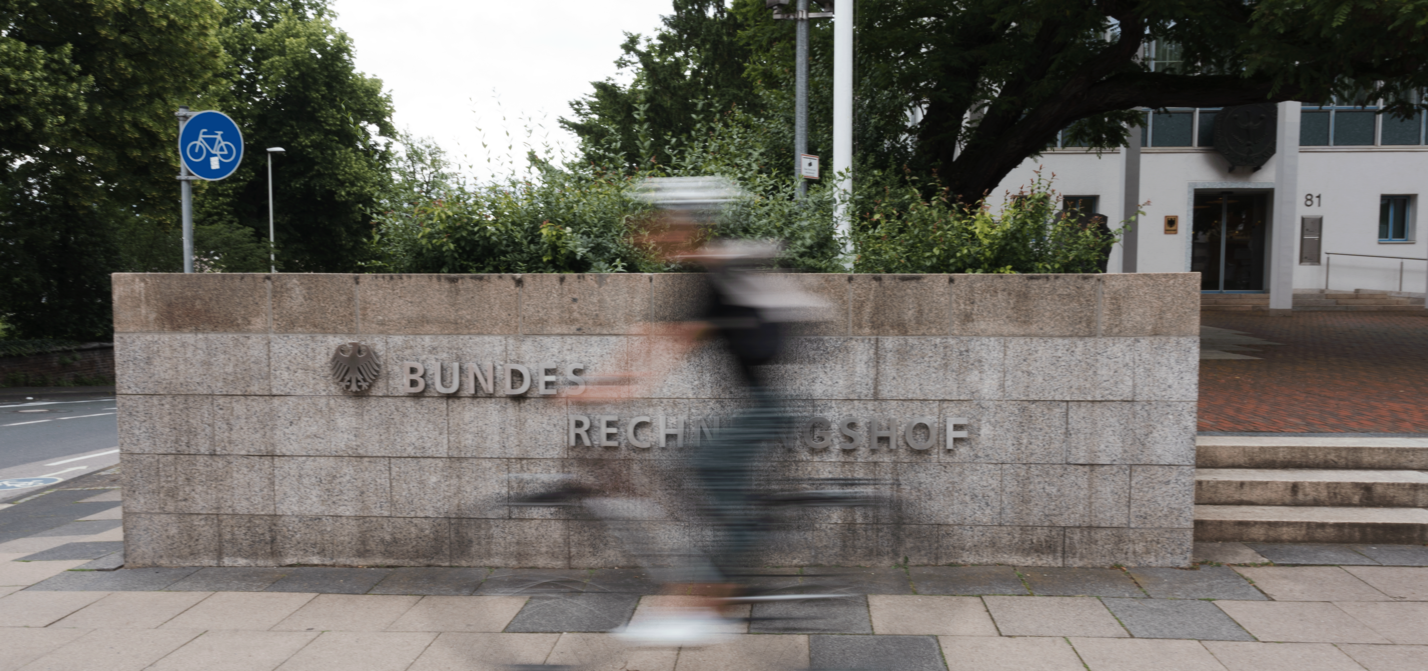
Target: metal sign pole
{"x": 800, "y": 121}
{"x": 186, "y": 198}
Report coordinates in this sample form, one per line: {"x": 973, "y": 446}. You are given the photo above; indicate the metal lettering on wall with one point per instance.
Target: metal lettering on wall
{"x": 814, "y": 433}
{"x": 355, "y": 366}
{"x": 493, "y": 378}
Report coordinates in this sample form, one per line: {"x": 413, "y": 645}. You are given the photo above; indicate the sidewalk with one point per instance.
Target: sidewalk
{"x": 65, "y": 607}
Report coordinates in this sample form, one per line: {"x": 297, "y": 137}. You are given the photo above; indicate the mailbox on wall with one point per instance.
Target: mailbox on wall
{"x": 1310, "y": 231}
{"x": 1172, "y": 224}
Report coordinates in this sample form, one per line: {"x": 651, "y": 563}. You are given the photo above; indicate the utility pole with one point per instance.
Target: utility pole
{"x": 843, "y": 117}
{"x": 186, "y": 197}
{"x": 801, "y": 16}
{"x": 272, "y": 254}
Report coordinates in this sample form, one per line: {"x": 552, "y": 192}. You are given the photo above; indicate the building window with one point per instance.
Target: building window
{"x": 1077, "y": 207}
{"x": 1393, "y": 218}
{"x": 1357, "y": 122}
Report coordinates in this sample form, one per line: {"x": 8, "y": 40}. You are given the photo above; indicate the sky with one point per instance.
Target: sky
{"x": 500, "y": 72}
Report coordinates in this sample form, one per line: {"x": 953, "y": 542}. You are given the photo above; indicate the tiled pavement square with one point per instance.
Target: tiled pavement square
{"x": 930, "y": 615}
{"x": 1404, "y": 622}
{"x": 82, "y": 528}
{"x": 1389, "y": 657}
{"x": 748, "y": 653}
{"x": 348, "y": 612}
{"x": 1130, "y": 654}
{"x": 113, "y": 650}
{"x": 623, "y": 581}
{"x": 432, "y": 580}
{"x": 832, "y": 616}
{"x": 966, "y": 580}
{"x": 108, "y": 562}
{"x": 1080, "y": 582}
{"x": 1311, "y": 583}
{"x": 515, "y": 582}
{"x": 1176, "y": 618}
{"x": 230, "y": 579}
{"x": 1226, "y": 553}
{"x": 76, "y": 551}
{"x": 369, "y": 651}
{"x": 602, "y": 651}
{"x": 653, "y": 606}
{"x": 115, "y": 495}
{"x": 256, "y": 611}
{"x": 1399, "y": 582}
{"x": 32, "y": 544}
{"x": 1208, "y": 582}
{"x": 1053, "y": 616}
{"x": 983, "y": 653}
{"x": 862, "y": 580}
{"x": 460, "y": 613}
{"x": 330, "y": 580}
{"x": 573, "y": 612}
{"x": 1311, "y": 553}
{"x": 1395, "y": 555}
{"x": 457, "y": 651}
{"x": 1301, "y": 622}
{"x": 21, "y": 645}
{"x": 115, "y": 513}
{"x": 905, "y": 653}
{"x": 1280, "y": 656}
{"x": 29, "y": 573}
{"x": 39, "y": 609}
{"x": 7, "y": 590}
{"x": 132, "y": 610}
{"x": 122, "y": 580}
{"x": 236, "y": 651}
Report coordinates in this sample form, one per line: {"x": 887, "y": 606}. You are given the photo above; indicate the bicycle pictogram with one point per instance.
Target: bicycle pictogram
{"x": 212, "y": 146}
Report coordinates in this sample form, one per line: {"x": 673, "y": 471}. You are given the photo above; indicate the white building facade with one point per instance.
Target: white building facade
{"x": 1342, "y": 181}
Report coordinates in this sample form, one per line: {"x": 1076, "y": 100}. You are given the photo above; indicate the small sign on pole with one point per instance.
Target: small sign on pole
{"x": 808, "y": 166}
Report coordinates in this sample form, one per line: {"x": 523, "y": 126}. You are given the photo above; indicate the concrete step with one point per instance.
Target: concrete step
{"x": 1308, "y": 487}
{"x": 1234, "y": 308}
{"x": 1310, "y": 524}
{"x": 1288, "y": 451}
{"x": 1363, "y": 308}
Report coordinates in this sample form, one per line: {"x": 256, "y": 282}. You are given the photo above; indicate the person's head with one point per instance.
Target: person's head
{"x": 687, "y": 209}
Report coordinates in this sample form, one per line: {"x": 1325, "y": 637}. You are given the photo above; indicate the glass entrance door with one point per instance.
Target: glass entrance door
{"x": 1228, "y": 247}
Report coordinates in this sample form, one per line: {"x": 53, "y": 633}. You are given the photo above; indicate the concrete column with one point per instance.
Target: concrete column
{"x": 1130, "y": 195}
{"x": 1286, "y": 210}
{"x": 843, "y": 117}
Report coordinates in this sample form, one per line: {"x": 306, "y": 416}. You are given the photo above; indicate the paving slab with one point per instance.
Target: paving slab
{"x": 1299, "y": 622}
{"x": 658, "y": 605}
{"x": 70, "y": 551}
{"x": 256, "y": 611}
{"x": 39, "y": 609}
{"x": 236, "y": 651}
{"x": 109, "y": 562}
{"x": 1080, "y": 582}
{"x": 23, "y": 645}
{"x": 1311, "y": 583}
{"x": 1330, "y": 554}
{"x": 966, "y": 580}
{"x": 830, "y": 616}
{"x": 905, "y": 653}
{"x": 29, "y": 573}
{"x": 1280, "y": 656}
{"x": 122, "y": 580}
{"x": 1395, "y": 555}
{"x": 7, "y": 590}
{"x": 1053, "y": 616}
{"x": 1399, "y": 582}
{"x": 1206, "y": 582}
{"x": 324, "y": 580}
{"x": 230, "y": 579}
{"x": 748, "y": 653}
{"x": 861, "y": 580}
{"x": 348, "y": 612}
{"x": 1176, "y": 618}
{"x": 623, "y": 581}
{"x": 1389, "y": 657}
{"x": 1226, "y": 553}
{"x": 515, "y": 581}
{"x": 433, "y": 581}
{"x": 1130, "y": 654}
{"x": 458, "y": 651}
{"x": 573, "y": 612}
{"x": 89, "y": 528}
{"x": 460, "y": 613}
{"x": 115, "y": 495}
{"x": 132, "y": 610}
{"x": 113, "y": 650}
{"x": 1404, "y": 623}
{"x": 368, "y": 651}
{"x": 115, "y": 513}
{"x": 923, "y": 615}
{"x": 983, "y": 653}
{"x": 602, "y": 652}
{"x": 41, "y": 515}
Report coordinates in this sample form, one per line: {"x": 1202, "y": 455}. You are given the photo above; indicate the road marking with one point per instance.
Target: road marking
{"x": 38, "y": 421}
{"x": 66, "y": 461}
{"x": 102, "y": 414}
{"x": 75, "y": 468}
{"x": 33, "y": 403}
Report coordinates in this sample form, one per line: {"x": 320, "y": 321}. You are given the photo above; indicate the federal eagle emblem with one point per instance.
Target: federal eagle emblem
{"x": 355, "y": 366}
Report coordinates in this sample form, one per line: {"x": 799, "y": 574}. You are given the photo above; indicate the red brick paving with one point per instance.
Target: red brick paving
{"x": 1332, "y": 372}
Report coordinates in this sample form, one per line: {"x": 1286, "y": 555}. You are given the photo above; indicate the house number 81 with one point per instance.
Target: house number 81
{"x": 1310, "y": 200}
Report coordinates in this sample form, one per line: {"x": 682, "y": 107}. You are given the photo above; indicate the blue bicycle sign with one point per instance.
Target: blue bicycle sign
{"x": 210, "y": 145}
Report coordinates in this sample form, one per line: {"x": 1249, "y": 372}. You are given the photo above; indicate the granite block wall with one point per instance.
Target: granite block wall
{"x": 1071, "y": 399}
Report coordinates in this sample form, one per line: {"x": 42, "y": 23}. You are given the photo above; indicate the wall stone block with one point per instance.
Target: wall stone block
{"x": 347, "y": 486}
{"x": 248, "y": 540}
{"x": 205, "y": 363}
{"x": 439, "y": 304}
{"x": 940, "y": 368}
{"x": 829, "y": 368}
{"x": 1020, "y": 546}
{"x": 1110, "y": 496}
{"x": 246, "y": 424}
{"x": 1046, "y": 495}
{"x": 1162, "y": 497}
{"x": 170, "y": 540}
{"x": 946, "y": 493}
{"x": 1145, "y": 304}
{"x": 901, "y": 305}
{"x": 1128, "y": 547}
{"x": 589, "y": 304}
{"x": 1071, "y": 369}
{"x": 403, "y": 427}
{"x": 165, "y": 424}
{"x": 1025, "y": 305}
{"x": 1131, "y": 433}
{"x": 193, "y": 303}
{"x": 510, "y": 543}
{"x": 314, "y": 303}
{"x": 1014, "y": 432}
{"x": 301, "y": 365}
{"x": 1167, "y": 369}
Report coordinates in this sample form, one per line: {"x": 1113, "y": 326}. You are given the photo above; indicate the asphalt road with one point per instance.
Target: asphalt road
{"x": 56, "y": 435}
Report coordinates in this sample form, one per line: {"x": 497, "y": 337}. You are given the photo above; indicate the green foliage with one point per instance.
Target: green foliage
{"x": 900, "y": 231}
{"x": 32, "y": 347}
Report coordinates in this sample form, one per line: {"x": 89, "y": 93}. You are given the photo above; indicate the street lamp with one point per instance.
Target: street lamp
{"x": 272, "y": 256}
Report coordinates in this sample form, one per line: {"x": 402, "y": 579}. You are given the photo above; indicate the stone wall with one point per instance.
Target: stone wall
{"x": 1076, "y": 393}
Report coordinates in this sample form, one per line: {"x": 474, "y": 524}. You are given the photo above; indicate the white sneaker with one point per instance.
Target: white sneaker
{"x": 677, "y": 627}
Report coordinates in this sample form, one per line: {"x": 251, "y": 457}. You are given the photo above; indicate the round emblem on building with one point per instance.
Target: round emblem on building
{"x": 1244, "y": 135}
{"x": 355, "y": 366}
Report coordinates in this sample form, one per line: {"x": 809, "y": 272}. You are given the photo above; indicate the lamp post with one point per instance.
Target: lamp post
{"x": 272, "y": 256}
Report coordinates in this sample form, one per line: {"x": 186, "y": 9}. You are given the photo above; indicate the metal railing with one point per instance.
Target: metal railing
{"x": 1329, "y": 265}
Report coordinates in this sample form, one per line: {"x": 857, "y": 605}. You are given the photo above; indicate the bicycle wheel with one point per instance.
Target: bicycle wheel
{"x": 196, "y": 150}
{"x": 226, "y": 151}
